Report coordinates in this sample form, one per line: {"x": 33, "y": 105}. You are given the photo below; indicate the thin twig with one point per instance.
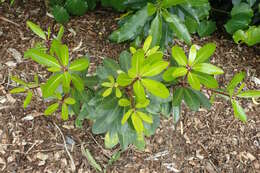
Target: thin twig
{"x": 73, "y": 167}
{"x": 9, "y": 21}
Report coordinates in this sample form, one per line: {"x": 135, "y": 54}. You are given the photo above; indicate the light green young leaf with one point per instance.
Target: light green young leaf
{"x": 107, "y": 84}
{"x": 142, "y": 104}
{"x": 17, "y": 90}
{"x": 139, "y": 91}
{"x": 79, "y": 64}
{"x": 64, "y": 55}
{"x": 42, "y": 58}
{"x": 179, "y": 71}
{"x": 77, "y": 82}
{"x": 123, "y": 79}
{"x": 179, "y": 56}
{"x": 241, "y": 87}
{"x": 193, "y": 81}
{"x": 151, "y": 8}
{"x": 156, "y": 88}
{"x": 137, "y": 123}
{"x": 147, "y": 43}
{"x": 19, "y": 81}
{"x": 66, "y": 81}
{"x": 207, "y": 80}
{"x": 111, "y": 141}
{"x": 137, "y": 60}
{"x": 51, "y": 109}
{"x": 145, "y": 117}
{"x": 36, "y": 29}
{"x": 107, "y": 92}
{"x": 249, "y": 94}
{"x": 124, "y": 102}
{"x": 154, "y": 69}
{"x": 192, "y": 54}
{"x": 239, "y": 111}
{"x": 167, "y": 75}
{"x": 64, "y": 112}
{"x": 70, "y": 101}
{"x": 205, "y": 53}
{"x": 54, "y": 69}
{"x": 118, "y": 93}
{"x": 60, "y": 33}
{"x": 126, "y": 116}
{"x": 52, "y": 84}
{"x": 28, "y": 99}
{"x": 207, "y": 68}
{"x": 235, "y": 81}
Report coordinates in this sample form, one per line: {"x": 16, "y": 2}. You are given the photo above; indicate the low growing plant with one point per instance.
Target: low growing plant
{"x": 125, "y": 99}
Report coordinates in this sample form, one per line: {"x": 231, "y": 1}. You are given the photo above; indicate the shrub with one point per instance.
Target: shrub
{"x": 125, "y": 99}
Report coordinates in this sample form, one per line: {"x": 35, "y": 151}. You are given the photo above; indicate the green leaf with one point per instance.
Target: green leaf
{"x": 156, "y": 30}
{"x": 76, "y": 7}
{"x": 36, "y": 29}
{"x": 123, "y": 79}
{"x": 107, "y": 92}
{"x": 143, "y": 103}
{"x": 167, "y": 75}
{"x": 192, "y": 54}
{"x": 130, "y": 29}
{"x": 51, "y": 109}
{"x": 156, "y": 88}
{"x": 79, "y": 64}
{"x": 60, "y": 33}
{"x": 137, "y": 60}
{"x": 145, "y": 117}
{"x": 235, "y": 81}
{"x": 179, "y": 56}
{"x": 70, "y": 101}
{"x": 54, "y": 69}
{"x": 177, "y": 26}
{"x": 153, "y": 57}
{"x": 107, "y": 84}
{"x": 154, "y": 69}
{"x": 111, "y": 66}
{"x": 207, "y": 68}
{"x": 17, "y": 90}
{"x": 205, "y": 53}
{"x": 111, "y": 141}
{"x": 239, "y": 111}
{"x": 151, "y": 8}
{"x": 64, "y": 56}
{"x": 206, "y": 28}
{"x": 204, "y": 101}
{"x": 250, "y": 37}
{"x": 170, "y": 3}
{"x": 90, "y": 159}
{"x": 191, "y": 99}
{"x": 176, "y": 113}
{"x": 77, "y": 82}
{"x": 125, "y": 60}
{"x": 60, "y": 14}
{"x": 66, "y": 81}
{"x": 147, "y": 43}
{"x": 42, "y": 58}
{"x": 118, "y": 93}
{"x": 207, "y": 80}
{"x": 177, "y": 96}
{"x": 64, "y": 112}
{"x": 193, "y": 81}
{"x": 249, "y": 94}
{"x": 139, "y": 91}
{"x": 28, "y": 99}
{"x": 52, "y": 84}
{"x": 124, "y": 102}
{"x": 19, "y": 81}
{"x": 126, "y": 116}
{"x": 137, "y": 123}
{"x": 179, "y": 71}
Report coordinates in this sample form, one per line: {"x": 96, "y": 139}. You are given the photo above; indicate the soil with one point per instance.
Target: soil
{"x": 206, "y": 141}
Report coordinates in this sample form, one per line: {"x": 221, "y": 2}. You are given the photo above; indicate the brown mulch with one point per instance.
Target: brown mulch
{"x": 205, "y": 141}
